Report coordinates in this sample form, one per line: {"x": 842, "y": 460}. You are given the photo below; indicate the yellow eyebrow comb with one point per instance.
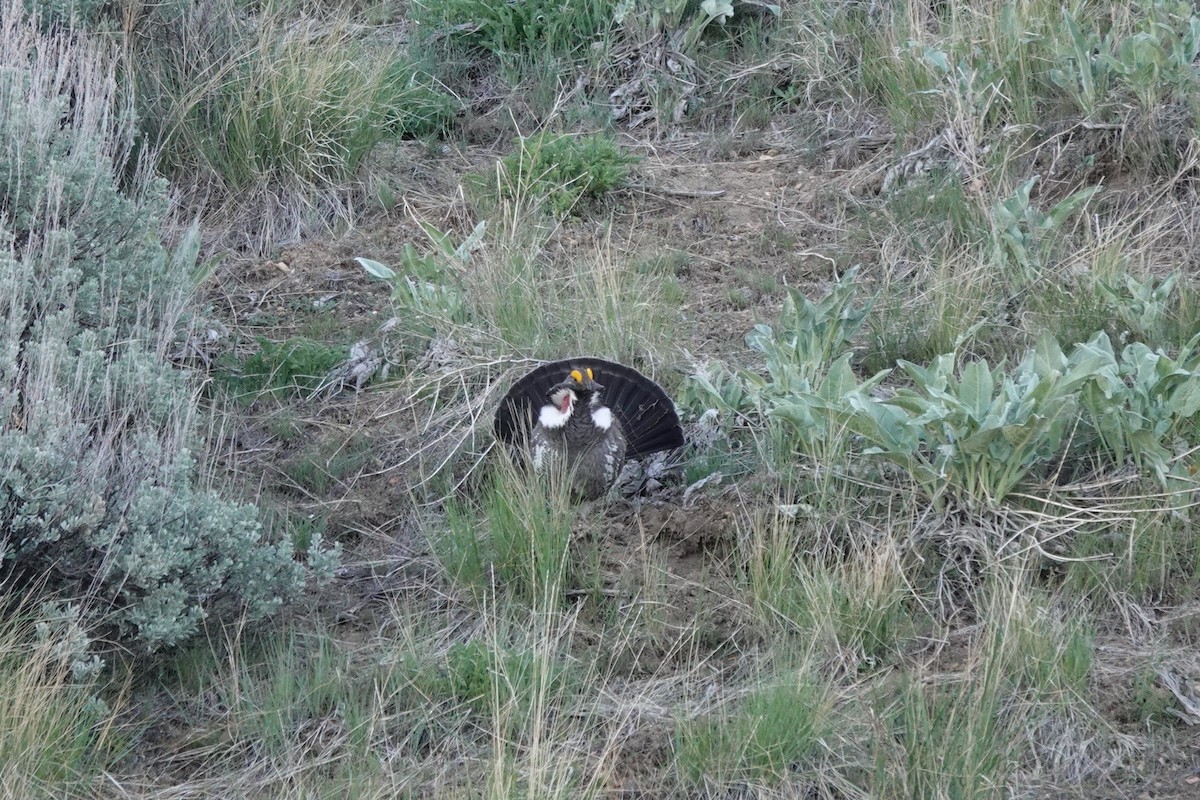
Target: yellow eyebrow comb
{"x": 577, "y": 376}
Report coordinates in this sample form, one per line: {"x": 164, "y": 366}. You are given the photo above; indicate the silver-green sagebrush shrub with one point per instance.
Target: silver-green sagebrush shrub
{"x": 101, "y": 491}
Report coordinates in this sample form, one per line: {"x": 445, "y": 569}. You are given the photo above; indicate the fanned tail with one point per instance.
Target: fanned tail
{"x": 647, "y": 416}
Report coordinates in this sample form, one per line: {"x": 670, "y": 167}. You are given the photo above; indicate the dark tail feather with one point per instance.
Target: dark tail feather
{"x": 646, "y": 414}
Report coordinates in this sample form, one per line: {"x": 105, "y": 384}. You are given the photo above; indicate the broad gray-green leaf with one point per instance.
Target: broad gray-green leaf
{"x": 439, "y": 238}
{"x": 976, "y": 389}
{"x": 1063, "y": 209}
{"x": 798, "y": 413}
{"x": 935, "y": 57}
{"x": 1185, "y": 400}
{"x": 980, "y": 442}
{"x": 720, "y": 10}
{"x": 885, "y": 426}
{"x": 1047, "y": 357}
{"x": 839, "y": 381}
{"x": 463, "y": 251}
{"x": 376, "y": 269}
{"x": 1094, "y": 362}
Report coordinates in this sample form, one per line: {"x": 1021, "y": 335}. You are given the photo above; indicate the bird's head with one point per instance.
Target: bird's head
{"x": 580, "y": 386}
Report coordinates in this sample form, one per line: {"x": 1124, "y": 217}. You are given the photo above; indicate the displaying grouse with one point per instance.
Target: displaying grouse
{"x": 587, "y": 415}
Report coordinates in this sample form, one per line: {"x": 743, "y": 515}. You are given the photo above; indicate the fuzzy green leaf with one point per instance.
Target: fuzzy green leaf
{"x": 976, "y": 389}
{"x": 376, "y": 269}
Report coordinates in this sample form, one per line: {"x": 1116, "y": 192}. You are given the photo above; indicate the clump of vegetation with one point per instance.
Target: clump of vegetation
{"x": 775, "y": 731}
{"x": 425, "y": 291}
{"x": 65, "y": 12}
{"x": 325, "y": 464}
{"x": 807, "y": 357}
{"x": 530, "y": 28}
{"x": 297, "y": 365}
{"x": 265, "y": 111}
{"x": 487, "y": 679}
{"x": 556, "y": 171}
{"x": 102, "y": 494}
{"x": 971, "y": 428}
{"x": 525, "y": 538}
{"x": 55, "y": 731}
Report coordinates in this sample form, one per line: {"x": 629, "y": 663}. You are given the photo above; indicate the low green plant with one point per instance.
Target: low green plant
{"x": 267, "y": 109}
{"x": 979, "y": 434}
{"x": 279, "y": 689}
{"x": 302, "y": 529}
{"x": 297, "y": 110}
{"x": 951, "y": 309}
{"x": 413, "y": 104}
{"x": 1144, "y": 405}
{"x": 1152, "y": 703}
{"x": 328, "y": 463}
{"x": 82, "y": 13}
{"x": 1142, "y": 58}
{"x": 511, "y": 297}
{"x": 426, "y": 291}
{"x": 1077, "y": 70}
{"x": 1145, "y": 308}
{"x": 1042, "y": 651}
{"x": 296, "y": 366}
{"x": 964, "y": 730}
{"x": 1022, "y": 233}
{"x": 682, "y": 20}
{"x": 664, "y": 264}
{"x": 759, "y": 742}
{"x": 1154, "y": 61}
{"x": 557, "y": 171}
{"x": 738, "y": 298}
{"x": 285, "y": 425}
{"x": 984, "y": 432}
{"x": 520, "y": 533}
{"x": 57, "y": 737}
{"x": 532, "y": 27}
{"x": 1153, "y": 555}
{"x": 852, "y": 608}
{"x": 485, "y": 678}
{"x": 947, "y": 740}
{"x": 296, "y": 700}
{"x": 936, "y": 213}
{"x": 807, "y": 360}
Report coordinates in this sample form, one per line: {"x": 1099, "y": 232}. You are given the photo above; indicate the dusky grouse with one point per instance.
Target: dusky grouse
{"x": 587, "y": 415}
